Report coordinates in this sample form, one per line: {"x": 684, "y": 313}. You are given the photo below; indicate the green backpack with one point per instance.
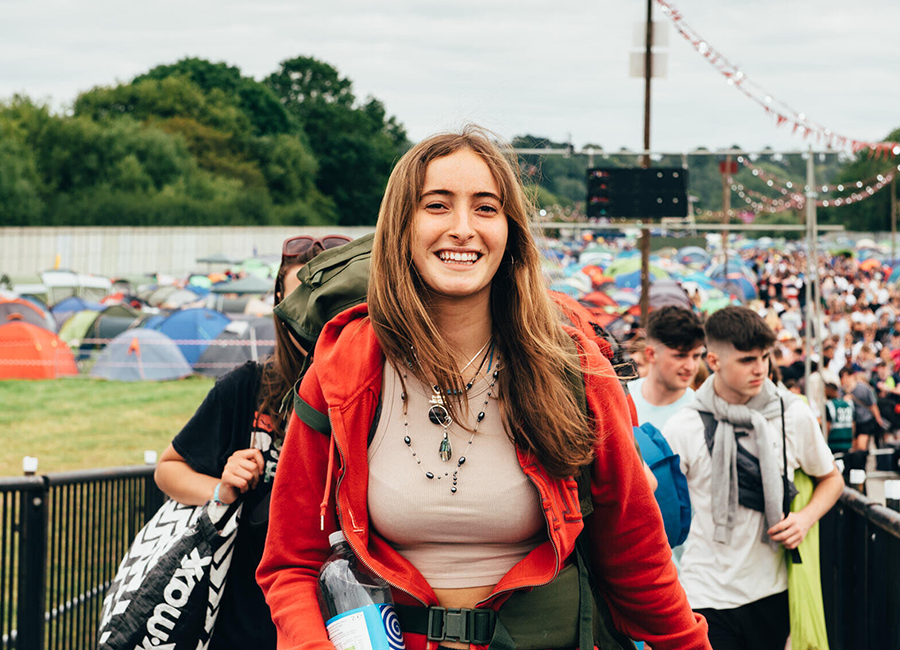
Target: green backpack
{"x": 336, "y": 280}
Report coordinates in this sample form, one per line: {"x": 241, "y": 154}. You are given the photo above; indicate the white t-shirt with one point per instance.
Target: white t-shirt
{"x": 656, "y": 415}
{"x": 721, "y": 576}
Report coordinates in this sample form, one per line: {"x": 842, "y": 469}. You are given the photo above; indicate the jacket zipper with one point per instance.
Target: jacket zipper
{"x": 555, "y": 554}
{"x": 337, "y": 502}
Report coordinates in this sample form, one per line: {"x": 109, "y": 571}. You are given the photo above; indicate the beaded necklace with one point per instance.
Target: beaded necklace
{"x": 445, "y": 451}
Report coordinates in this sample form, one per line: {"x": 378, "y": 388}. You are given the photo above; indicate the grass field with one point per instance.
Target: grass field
{"x": 82, "y": 423}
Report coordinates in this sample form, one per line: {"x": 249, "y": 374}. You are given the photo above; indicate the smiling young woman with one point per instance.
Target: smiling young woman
{"x": 456, "y": 431}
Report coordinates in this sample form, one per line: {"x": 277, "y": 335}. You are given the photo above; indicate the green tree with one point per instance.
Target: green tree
{"x": 254, "y": 99}
{"x": 21, "y": 203}
{"x": 355, "y": 144}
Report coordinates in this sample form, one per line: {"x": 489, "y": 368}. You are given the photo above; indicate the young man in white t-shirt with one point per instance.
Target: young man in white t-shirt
{"x": 674, "y": 352}
{"x": 734, "y": 569}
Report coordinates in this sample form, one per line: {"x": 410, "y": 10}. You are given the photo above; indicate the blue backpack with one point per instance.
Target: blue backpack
{"x": 672, "y": 494}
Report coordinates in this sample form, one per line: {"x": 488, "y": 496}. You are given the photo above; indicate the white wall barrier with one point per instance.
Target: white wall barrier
{"x": 119, "y": 251}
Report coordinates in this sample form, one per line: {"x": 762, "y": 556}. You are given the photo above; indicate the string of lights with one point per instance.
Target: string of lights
{"x": 859, "y": 190}
{"x": 782, "y": 112}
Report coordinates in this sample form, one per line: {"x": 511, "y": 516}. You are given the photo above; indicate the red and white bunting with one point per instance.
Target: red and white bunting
{"x": 780, "y": 111}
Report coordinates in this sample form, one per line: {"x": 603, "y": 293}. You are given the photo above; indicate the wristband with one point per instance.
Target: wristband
{"x": 215, "y": 497}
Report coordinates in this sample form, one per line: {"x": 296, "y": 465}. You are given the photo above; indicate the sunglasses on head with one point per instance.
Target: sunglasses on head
{"x": 302, "y": 243}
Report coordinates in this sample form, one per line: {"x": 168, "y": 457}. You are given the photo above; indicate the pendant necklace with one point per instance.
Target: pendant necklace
{"x": 438, "y": 413}
{"x": 454, "y": 478}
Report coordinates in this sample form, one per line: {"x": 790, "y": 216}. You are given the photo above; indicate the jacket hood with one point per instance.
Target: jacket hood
{"x": 347, "y": 354}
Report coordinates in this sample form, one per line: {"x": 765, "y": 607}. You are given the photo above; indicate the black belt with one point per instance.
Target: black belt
{"x": 443, "y": 624}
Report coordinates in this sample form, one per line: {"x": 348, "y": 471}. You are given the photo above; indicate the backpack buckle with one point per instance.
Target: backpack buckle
{"x": 466, "y": 625}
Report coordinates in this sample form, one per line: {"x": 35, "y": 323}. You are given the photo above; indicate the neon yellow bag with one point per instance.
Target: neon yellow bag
{"x": 804, "y": 581}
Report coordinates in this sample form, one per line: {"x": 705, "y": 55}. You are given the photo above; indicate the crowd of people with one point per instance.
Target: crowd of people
{"x": 455, "y": 430}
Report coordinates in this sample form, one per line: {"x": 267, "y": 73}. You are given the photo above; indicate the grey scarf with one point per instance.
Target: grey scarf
{"x": 754, "y": 417}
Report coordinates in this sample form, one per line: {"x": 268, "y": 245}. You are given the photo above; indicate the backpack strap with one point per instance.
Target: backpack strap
{"x": 312, "y": 417}
{"x": 709, "y": 428}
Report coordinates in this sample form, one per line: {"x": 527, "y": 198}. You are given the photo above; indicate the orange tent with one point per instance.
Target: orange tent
{"x": 870, "y": 264}
{"x": 31, "y": 352}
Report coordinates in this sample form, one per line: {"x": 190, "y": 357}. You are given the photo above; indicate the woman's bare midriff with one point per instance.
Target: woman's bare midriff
{"x": 461, "y": 598}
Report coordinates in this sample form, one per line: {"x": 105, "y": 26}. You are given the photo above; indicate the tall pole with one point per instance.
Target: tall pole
{"x": 894, "y": 221}
{"x": 645, "y": 232}
{"x": 811, "y": 271}
{"x": 726, "y": 210}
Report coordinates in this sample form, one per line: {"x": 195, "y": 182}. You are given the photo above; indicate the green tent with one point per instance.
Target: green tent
{"x": 259, "y": 268}
{"x": 632, "y": 264}
{"x": 77, "y": 326}
{"x": 200, "y": 281}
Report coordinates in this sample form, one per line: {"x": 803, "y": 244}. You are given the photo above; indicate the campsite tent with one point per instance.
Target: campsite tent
{"x": 668, "y": 292}
{"x": 31, "y": 352}
{"x": 251, "y": 284}
{"x": 19, "y": 309}
{"x": 239, "y": 342}
{"x": 193, "y": 326}
{"x": 77, "y": 326}
{"x": 67, "y": 307}
{"x": 141, "y": 355}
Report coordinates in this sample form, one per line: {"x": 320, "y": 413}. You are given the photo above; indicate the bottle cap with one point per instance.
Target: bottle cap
{"x": 857, "y": 476}
{"x": 892, "y": 490}
{"x": 336, "y": 538}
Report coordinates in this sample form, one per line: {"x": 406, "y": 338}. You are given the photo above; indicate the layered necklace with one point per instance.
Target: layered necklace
{"x": 439, "y": 414}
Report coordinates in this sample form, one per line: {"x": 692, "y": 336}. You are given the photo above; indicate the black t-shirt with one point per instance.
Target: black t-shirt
{"x": 226, "y": 422}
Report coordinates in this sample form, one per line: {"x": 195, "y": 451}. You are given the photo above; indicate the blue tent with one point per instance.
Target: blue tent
{"x": 692, "y": 255}
{"x": 738, "y": 285}
{"x": 719, "y": 271}
{"x": 633, "y": 280}
{"x": 700, "y": 278}
{"x": 194, "y": 325}
{"x": 141, "y": 355}
{"x": 154, "y": 321}
{"x": 201, "y": 292}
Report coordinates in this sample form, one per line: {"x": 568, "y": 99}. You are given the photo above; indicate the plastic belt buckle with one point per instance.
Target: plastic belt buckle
{"x": 466, "y": 625}
{"x": 437, "y": 623}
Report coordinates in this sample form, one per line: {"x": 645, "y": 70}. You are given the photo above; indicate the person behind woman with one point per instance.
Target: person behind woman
{"x": 460, "y": 493}
{"x": 231, "y": 445}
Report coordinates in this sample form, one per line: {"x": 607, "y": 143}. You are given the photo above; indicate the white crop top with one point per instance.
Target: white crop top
{"x": 469, "y": 538}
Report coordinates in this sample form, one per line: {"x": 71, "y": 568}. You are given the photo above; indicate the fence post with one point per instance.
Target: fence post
{"x": 32, "y": 568}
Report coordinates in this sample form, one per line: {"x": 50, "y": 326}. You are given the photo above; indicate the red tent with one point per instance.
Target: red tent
{"x": 31, "y": 352}
{"x": 600, "y": 299}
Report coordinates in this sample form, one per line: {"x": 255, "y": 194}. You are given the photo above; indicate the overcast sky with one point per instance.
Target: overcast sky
{"x": 552, "y": 68}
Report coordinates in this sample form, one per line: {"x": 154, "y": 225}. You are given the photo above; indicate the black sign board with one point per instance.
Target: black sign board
{"x": 637, "y": 193}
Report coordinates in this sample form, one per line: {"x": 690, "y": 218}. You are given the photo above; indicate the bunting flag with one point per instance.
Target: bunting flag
{"x": 780, "y": 111}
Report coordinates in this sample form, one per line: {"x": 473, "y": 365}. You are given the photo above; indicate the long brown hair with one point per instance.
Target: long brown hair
{"x": 281, "y": 370}
{"x": 540, "y": 410}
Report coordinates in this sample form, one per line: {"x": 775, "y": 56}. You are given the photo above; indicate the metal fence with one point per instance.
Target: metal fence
{"x": 62, "y": 537}
{"x": 860, "y": 554}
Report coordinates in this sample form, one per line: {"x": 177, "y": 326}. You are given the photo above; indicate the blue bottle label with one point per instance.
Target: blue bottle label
{"x": 373, "y": 627}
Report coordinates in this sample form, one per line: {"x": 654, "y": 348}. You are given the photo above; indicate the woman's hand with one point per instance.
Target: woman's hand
{"x": 241, "y": 473}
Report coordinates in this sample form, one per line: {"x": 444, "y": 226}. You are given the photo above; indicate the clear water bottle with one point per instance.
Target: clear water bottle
{"x": 357, "y": 606}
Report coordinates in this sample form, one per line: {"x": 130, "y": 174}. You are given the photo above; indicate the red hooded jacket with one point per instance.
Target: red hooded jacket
{"x": 321, "y": 485}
